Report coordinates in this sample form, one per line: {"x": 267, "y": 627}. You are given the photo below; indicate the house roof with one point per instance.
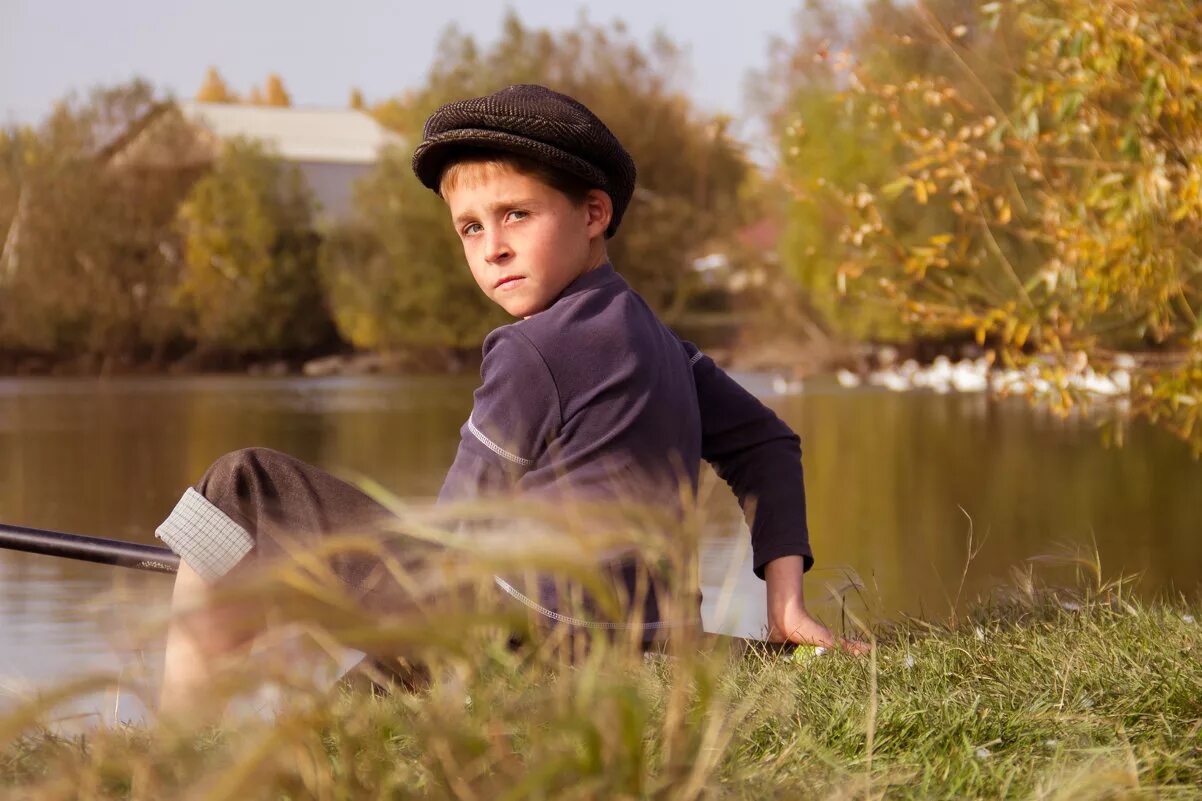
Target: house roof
{"x": 762, "y": 236}
{"x": 297, "y": 134}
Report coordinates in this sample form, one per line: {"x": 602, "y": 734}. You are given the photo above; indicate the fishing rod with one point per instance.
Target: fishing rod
{"x": 163, "y": 560}
{"x": 88, "y": 549}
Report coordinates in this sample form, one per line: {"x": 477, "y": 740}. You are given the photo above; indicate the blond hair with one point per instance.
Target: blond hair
{"x": 470, "y": 166}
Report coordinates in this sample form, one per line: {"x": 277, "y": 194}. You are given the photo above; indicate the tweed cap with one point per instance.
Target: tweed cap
{"x": 535, "y": 122}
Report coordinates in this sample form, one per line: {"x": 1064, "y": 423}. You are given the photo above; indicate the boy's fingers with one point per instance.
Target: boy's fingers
{"x": 813, "y": 633}
{"x": 854, "y": 647}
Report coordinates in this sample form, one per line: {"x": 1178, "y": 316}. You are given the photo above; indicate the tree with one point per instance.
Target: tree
{"x": 274, "y": 93}
{"x": 89, "y": 260}
{"x": 686, "y": 203}
{"x": 214, "y": 89}
{"x": 1062, "y": 204}
{"x": 250, "y": 282}
{"x": 397, "y": 278}
{"x": 14, "y": 144}
{"x": 827, "y": 148}
{"x": 356, "y": 100}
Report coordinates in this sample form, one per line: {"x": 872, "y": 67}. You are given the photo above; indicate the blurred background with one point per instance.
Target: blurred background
{"x": 956, "y": 244}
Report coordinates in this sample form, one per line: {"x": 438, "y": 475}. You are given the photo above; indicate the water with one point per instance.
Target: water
{"x": 894, "y": 484}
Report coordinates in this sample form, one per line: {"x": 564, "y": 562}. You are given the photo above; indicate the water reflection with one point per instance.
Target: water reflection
{"x": 894, "y": 482}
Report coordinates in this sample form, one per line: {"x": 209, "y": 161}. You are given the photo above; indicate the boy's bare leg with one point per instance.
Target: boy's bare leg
{"x": 202, "y": 634}
{"x": 257, "y": 495}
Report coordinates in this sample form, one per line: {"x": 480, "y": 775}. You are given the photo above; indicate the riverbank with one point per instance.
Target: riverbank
{"x": 1088, "y": 695}
{"x": 417, "y": 360}
{"x": 890, "y": 365}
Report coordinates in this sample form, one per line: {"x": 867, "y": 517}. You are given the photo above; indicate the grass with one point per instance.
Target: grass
{"x": 1033, "y": 693}
{"x": 1030, "y": 701}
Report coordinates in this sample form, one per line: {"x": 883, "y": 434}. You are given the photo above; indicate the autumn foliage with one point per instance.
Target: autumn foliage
{"x": 1037, "y": 185}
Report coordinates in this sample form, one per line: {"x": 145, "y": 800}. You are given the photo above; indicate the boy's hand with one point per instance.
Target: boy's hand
{"x": 805, "y": 630}
{"x": 788, "y": 620}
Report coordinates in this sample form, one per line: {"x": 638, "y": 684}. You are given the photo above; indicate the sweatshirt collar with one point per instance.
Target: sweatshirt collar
{"x": 598, "y": 276}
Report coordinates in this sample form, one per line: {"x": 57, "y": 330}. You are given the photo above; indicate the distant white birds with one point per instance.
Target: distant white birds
{"x": 890, "y": 380}
{"x": 847, "y": 378}
{"x": 968, "y": 375}
{"x": 783, "y": 386}
{"x": 941, "y": 376}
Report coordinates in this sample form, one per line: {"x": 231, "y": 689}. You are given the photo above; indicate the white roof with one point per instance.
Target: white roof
{"x": 297, "y": 134}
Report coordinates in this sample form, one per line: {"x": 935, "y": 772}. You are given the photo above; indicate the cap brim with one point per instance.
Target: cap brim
{"x": 432, "y": 155}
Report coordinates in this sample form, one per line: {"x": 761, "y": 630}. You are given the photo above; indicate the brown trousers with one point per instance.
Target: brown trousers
{"x": 279, "y": 499}
{"x": 284, "y": 502}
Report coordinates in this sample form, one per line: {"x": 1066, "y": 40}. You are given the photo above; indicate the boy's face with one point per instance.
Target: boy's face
{"x": 524, "y": 240}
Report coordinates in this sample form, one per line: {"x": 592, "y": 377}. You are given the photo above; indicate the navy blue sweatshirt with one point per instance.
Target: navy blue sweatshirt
{"x": 595, "y": 395}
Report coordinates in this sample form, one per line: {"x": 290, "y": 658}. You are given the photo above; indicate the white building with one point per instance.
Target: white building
{"x": 331, "y": 147}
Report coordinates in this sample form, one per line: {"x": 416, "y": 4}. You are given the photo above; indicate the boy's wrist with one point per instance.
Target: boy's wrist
{"x": 785, "y": 593}
{"x": 783, "y": 577}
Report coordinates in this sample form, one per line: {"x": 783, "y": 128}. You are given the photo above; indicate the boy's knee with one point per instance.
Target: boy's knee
{"x": 233, "y": 470}
{"x": 244, "y": 458}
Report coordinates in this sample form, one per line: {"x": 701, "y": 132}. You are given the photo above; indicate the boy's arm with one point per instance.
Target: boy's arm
{"x": 759, "y": 456}
{"x": 515, "y": 413}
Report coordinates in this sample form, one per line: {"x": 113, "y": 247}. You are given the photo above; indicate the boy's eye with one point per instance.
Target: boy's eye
{"x": 470, "y": 228}
{"x": 517, "y": 214}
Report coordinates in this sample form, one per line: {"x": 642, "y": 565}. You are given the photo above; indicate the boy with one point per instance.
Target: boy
{"x": 587, "y": 395}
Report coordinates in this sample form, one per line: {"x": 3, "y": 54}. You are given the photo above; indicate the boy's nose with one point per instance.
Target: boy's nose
{"x": 496, "y": 249}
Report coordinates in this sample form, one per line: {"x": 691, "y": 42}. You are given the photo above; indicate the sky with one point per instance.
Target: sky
{"x": 49, "y": 48}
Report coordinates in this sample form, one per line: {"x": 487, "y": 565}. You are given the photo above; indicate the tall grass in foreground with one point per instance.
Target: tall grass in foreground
{"x": 1034, "y": 693}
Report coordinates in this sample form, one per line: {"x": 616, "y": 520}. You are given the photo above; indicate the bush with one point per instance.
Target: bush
{"x": 1044, "y": 192}
{"x": 90, "y": 252}
{"x": 251, "y": 283}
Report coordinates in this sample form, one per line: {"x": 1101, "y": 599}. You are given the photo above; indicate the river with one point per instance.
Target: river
{"x": 894, "y": 481}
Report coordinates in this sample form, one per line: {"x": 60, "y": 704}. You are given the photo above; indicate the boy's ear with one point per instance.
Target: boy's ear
{"x": 600, "y": 210}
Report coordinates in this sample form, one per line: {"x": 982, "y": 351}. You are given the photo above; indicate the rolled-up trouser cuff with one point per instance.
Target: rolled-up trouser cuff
{"x": 204, "y": 536}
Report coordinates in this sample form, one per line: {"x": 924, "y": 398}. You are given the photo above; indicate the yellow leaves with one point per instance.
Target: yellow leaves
{"x": 1014, "y": 332}
{"x": 1008, "y": 329}
{"x": 923, "y": 257}
{"x": 923, "y": 190}
{"x": 1076, "y": 198}
{"x": 1189, "y": 196}
{"x": 894, "y": 188}
{"x": 1181, "y": 212}
{"x": 847, "y": 270}
{"x": 1003, "y": 210}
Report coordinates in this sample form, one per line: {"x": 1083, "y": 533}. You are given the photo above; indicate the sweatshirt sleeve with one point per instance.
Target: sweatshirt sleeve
{"x": 759, "y": 456}
{"x": 515, "y": 414}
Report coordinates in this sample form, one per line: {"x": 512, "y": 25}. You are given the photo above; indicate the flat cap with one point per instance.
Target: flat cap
{"x": 535, "y": 122}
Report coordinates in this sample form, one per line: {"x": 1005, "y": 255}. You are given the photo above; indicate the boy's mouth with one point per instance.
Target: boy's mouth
{"x": 508, "y": 280}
